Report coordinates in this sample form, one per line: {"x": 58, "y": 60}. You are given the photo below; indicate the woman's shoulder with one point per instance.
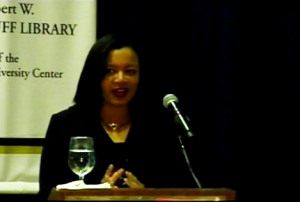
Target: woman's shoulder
{"x": 67, "y": 113}
{"x": 71, "y": 120}
{"x": 158, "y": 123}
{"x": 74, "y": 114}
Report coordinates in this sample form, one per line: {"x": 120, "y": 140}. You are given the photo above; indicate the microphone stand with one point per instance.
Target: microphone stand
{"x": 177, "y": 119}
{"x": 187, "y": 160}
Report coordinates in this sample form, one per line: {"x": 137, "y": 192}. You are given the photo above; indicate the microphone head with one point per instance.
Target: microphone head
{"x": 168, "y": 99}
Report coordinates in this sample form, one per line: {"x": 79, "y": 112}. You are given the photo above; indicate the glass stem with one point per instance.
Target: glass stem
{"x": 81, "y": 177}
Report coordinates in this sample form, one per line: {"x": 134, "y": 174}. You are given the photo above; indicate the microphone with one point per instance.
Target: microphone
{"x": 169, "y": 101}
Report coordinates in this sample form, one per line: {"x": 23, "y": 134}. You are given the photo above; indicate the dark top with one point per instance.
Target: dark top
{"x": 151, "y": 152}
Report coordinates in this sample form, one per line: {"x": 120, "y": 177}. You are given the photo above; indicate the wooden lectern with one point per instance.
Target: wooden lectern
{"x": 143, "y": 195}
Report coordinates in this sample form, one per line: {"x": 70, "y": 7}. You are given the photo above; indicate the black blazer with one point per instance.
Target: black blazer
{"x": 151, "y": 152}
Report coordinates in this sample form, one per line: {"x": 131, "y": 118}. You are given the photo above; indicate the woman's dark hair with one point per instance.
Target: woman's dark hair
{"x": 89, "y": 92}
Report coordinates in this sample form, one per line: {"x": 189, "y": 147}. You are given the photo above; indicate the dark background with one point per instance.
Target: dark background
{"x": 188, "y": 49}
{"x": 235, "y": 69}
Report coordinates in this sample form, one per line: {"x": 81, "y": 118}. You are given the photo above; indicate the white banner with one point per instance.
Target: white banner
{"x": 43, "y": 46}
{"x": 19, "y": 167}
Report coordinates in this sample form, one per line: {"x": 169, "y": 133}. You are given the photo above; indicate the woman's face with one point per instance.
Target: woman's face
{"x": 120, "y": 83}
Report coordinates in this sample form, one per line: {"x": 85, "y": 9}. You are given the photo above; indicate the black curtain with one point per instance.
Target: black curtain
{"x": 267, "y": 74}
{"x": 235, "y": 68}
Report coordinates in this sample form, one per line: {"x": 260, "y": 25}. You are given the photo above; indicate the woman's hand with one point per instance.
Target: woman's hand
{"x": 132, "y": 181}
{"x": 111, "y": 177}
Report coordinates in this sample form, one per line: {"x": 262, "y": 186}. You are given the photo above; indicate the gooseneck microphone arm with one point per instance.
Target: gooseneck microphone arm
{"x": 188, "y": 162}
{"x": 179, "y": 116}
{"x": 170, "y": 100}
{"x": 182, "y": 121}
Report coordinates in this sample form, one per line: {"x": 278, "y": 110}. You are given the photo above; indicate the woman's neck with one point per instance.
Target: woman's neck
{"x": 114, "y": 114}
